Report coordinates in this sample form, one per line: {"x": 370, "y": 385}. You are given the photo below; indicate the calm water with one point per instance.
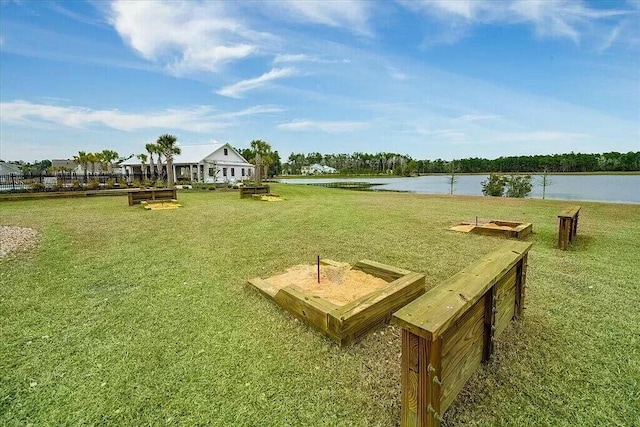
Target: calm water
{"x": 599, "y": 188}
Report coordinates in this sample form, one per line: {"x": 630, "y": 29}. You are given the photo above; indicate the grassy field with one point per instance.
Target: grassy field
{"x": 127, "y": 316}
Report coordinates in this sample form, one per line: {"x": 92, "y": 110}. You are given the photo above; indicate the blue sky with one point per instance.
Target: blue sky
{"x": 431, "y": 79}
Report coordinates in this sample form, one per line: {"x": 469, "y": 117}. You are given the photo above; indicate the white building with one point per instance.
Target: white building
{"x": 316, "y": 169}
{"x": 203, "y": 163}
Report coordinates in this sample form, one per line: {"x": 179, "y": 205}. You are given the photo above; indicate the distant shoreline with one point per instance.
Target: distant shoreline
{"x": 340, "y": 176}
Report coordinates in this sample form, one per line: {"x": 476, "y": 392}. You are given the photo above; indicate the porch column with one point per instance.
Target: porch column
{"x": 199, "y": 177}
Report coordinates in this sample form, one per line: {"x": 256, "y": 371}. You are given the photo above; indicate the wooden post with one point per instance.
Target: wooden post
{"x": 490, "y": 310}
{"x": 521, "y": 278}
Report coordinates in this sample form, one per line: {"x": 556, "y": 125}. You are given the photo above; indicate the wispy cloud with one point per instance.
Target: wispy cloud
{"x": 477, "y": 117}
{"x": 396, "y": 74}
{"x": 195, "y": 119}
{"x": 352, "y": 15}
{"x": 541, "y": 136}
{"x": 185, "y": 37}
{"x": 549, "y": 18}
{"x": 237, "y": 89}
{"x": 303, "y": 57}
{"x": 322, "y": 126}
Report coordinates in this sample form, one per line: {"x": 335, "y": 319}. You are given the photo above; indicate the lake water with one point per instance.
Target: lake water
{"x": 598, "y": 188}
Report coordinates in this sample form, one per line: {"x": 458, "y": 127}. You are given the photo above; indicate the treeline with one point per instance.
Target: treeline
{"x": 399, "y": 164}
{"x": 356, "y": 163}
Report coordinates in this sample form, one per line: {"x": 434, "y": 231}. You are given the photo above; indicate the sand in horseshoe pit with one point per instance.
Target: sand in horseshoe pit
{"x": 339, "y": 285}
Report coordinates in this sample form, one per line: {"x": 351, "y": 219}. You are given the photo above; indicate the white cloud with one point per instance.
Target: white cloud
{"x": 322, "y": 126}
{"x": 195, "y": 119}
{"x": 477, "y": 117}
{"x": 541, "y": 136}
{"x": 549, "y": 18}
{"x": 302, "y": 57}
{"x": 237, "y": 89}
{"x": 396, "y": 74}
{"x": 350, "y": 14}
{"x": 184, "y": 37}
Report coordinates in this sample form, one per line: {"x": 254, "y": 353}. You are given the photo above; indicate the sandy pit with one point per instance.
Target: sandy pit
{"x": 16, "y": 239}
{"x": 339, "y": 285}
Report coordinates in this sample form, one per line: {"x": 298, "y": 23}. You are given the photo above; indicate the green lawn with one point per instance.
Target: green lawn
{"x": 127, "y": 316}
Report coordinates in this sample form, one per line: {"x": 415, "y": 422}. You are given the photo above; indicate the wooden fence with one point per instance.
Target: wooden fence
{"x": 567, "y": 226}
{"x": 449, "y": 331}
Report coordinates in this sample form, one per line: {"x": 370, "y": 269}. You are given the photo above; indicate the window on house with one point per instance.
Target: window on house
{"x": 226, "y": 151}
{"x": 211, "y": 172}
{"x": 242, "y": 171}
{"x": 224, "y": 171}
{"x": 233, "y": 171}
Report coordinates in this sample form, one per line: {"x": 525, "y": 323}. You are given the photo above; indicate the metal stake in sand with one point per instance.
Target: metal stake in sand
{"x": 318, "y": 268}
{"x": 476, "y": 221}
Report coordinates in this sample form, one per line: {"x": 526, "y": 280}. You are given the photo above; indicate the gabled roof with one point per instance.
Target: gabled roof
{"x": 8, "y": 168}
{"x": 196, "y": 153}
{"x": 189, "y": 154}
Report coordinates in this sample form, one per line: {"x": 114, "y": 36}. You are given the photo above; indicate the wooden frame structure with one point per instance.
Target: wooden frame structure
{"x": 567, "y": 226}
{"x": 449, "y": 331}
{"x": 151, "y": 194}
{"x": 250, "y": 190}
{"x": 347, "y": 323}
{"x": 500, "y": 228}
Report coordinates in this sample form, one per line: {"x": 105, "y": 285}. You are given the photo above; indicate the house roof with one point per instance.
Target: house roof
{"x": 189, "y": 154}
{"x": 8, "y": 168}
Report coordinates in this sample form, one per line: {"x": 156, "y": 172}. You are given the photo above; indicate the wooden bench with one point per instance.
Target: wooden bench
{"x": 151, "y": 194}
{"x": 568, "y": 226}
{"x": 249, "y": 191}
{"x": 448, "y": 332}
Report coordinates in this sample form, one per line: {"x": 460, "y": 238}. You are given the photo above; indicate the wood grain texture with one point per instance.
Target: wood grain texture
{"x": 433, "y": 312}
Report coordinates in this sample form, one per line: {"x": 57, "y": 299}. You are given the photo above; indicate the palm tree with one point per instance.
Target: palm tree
{"x": 143, "y": 159}
{"x": 108, "y": 156}
{"x": 82, "y": 159}
{"x": 151, "y": 149}
{"x": 168, "y": 147}
{"x": 93, "y": 158}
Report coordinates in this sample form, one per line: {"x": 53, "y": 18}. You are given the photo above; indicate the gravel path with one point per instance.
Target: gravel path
{"x": 15, "y": 239}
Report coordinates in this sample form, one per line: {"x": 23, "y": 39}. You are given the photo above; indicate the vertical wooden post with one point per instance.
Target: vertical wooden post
{"x": 421, "y": 381}
{"x": 521, "y": 279}
{"x": 433, "y": 384}
{"x": 575, "y": 225}
{"x": 490, "y": 310}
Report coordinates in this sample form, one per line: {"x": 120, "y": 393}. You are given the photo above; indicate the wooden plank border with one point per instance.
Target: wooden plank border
{"x": 348, "y": 323}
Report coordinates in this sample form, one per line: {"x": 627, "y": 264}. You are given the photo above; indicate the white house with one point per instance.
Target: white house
{"x": 203, "y": 163}
{"x": 10, "y": 169}
{"x": 316, "y": 169}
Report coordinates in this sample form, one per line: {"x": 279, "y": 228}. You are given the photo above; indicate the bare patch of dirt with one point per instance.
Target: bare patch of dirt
{"x": 339, "y": 285}
{"x": 16, "y": 239}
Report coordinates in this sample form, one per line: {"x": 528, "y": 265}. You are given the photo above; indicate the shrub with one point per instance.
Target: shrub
{"x": 519, "y": 185}
{"x": 75, "y": 184}
{"x": 159, "y": 184}
{"x": 494, "y": 185}
{"x": 110, "y": 183}
{"x": 122, "y": 183}
{"x": 93, "y": 184}
{"x": 37, "y": 186}
{"x": 57, "y": 186}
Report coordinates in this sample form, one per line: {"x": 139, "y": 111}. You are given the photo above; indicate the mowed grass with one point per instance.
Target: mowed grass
{"x": 134, "y": 317}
